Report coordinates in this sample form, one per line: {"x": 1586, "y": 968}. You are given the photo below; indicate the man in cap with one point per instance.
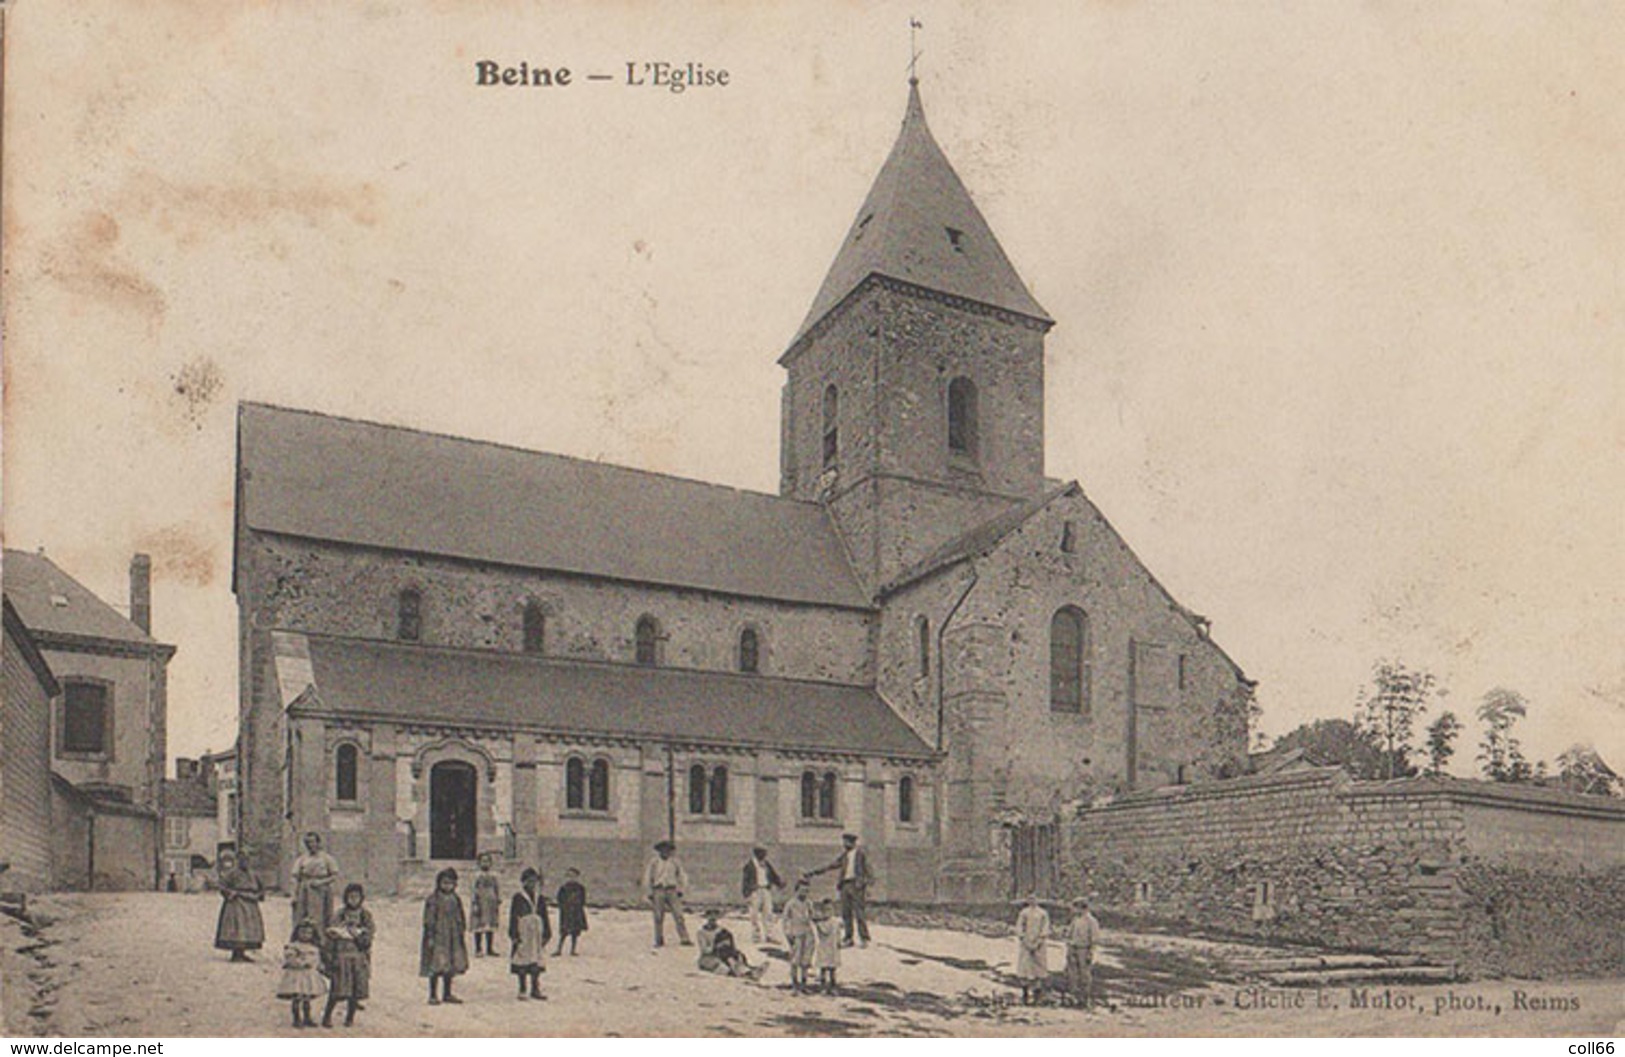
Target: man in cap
{"x": 1081, "y": 936}
{"x": 665, "y": 879}
{"x": 853, "y": 883}
{"x": 756, "y": 885}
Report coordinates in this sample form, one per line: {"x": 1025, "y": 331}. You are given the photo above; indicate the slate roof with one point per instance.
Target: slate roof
{"x": 377, "y": 679}
{"x": 49, "y": 601}
{"x": 984, "y": 537}
{"x": 902, "y": 231}
{"x": 180, "y": 796}
{"x": 317, "y": 476}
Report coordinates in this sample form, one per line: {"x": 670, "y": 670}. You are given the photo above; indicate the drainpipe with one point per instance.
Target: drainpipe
{"x": 671, "y": 796}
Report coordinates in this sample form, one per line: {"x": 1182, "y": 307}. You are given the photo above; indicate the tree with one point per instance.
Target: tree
{"x": 1499, "y": 753}
{"x": 1580, "y": 769}
{"x": 1387, "y": 712}
{"x": 1441, "y": 735}
{"x": 1335, "y": 742}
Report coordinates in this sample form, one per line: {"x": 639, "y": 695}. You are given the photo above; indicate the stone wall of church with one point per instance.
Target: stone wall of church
{"x": 383, "y": 836}
{"x": 334, "y": 589}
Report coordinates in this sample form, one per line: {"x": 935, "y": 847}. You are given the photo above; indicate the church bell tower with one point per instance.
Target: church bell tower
{"x": 914, "y": 406}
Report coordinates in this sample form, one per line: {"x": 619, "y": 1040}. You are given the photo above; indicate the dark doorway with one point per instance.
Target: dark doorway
{"x": 1033, "y": 853}
{"x": 452, "y": 799}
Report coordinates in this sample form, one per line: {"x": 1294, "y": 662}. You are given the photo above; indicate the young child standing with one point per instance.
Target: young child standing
{"x": 301, "y": 981}
{"x": 348, "y": 955}
{"x": 487, "y": 908}
{"x": 572, "y": 899}
{"x": 828, "y": 958}
{"x": 1032, "y": 962}
{"x": 528, "y": 929}
{"x": 444, "y": 953}
{"x": 798, "y": 934}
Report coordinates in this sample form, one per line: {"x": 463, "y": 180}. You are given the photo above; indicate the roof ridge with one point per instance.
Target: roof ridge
{"x": 946, "y": 554}
{"x": 518, "y": 449}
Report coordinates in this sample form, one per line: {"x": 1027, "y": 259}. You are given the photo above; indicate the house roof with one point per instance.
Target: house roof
{"x": 919, "y": 225}
{"x": 370, "y": 678}
{"x": 181, "y": 796}
{"x": 317, "y": 476}
{"x": 17, "y": 631}
{"x": 50, "y": 602}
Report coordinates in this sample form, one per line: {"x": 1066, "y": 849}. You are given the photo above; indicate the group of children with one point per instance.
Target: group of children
{"x": 812, "y": 931}
{"x": 335, "y": 958}
{"x": 1033, "y": 933}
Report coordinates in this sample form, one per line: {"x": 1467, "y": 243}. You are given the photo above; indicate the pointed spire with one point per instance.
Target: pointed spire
{"x": 919, "y": 224}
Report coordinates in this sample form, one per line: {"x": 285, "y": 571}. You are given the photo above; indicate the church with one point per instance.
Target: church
{"x": 451, "y": 647}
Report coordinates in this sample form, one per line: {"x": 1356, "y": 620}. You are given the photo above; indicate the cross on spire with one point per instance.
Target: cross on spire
{"x": 913, "y": 52}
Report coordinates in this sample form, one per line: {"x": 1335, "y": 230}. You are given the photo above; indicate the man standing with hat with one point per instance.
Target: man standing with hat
{"x": 757, "y": 884}
{"x": 853, "y": 884}
{"x": 665, "y": 879}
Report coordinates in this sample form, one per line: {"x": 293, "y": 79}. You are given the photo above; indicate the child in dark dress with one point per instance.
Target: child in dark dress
{"x": 572, "y": 899}
{"x": 444, "y": 953}
{"x": 347, "y": 957}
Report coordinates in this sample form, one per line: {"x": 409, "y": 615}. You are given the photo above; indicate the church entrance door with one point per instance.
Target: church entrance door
{"x": 1034, "y": 849}
{"x": 452, "y": 818}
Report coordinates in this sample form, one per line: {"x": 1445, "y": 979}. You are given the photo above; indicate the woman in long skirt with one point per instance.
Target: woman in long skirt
{"x": 240, "y": 928}
{"x": 315, "y": 874}
{"x": 529, "y": 930}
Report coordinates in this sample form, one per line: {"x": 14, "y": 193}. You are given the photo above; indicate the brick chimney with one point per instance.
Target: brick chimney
{"x": 141, "y": 592}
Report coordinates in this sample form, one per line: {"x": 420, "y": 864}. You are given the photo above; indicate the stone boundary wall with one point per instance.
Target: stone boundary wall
{"x": 1494, "y": 879}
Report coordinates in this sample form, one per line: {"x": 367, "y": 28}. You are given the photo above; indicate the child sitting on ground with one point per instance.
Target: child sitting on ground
{"x": 718, "y": 951}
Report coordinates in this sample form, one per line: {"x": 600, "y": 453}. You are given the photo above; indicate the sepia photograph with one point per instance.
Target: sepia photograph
{"x": 800, "y": 519}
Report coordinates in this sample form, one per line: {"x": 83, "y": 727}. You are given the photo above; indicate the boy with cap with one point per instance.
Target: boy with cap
{"x": 1080, "y": 936}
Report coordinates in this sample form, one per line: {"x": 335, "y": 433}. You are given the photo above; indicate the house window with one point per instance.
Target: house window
{"x": 818, "y": 795}
{"x": 832, "y": 416}
{"x": 598, "y": 785}
{"x": 86, "y": 719}
{"x": 923, "y": 632}
{"x": 345, "y": 765}
{"x": 175, "y": 831}
{"x": 707, "y": 790}
{"x": 1069, "y": 660}
{"x": 409, "y": 616}
{"x": 648, "y": 641}
{"x": 1069, "y": 537}
{"x": 905, "y": 799}
{"x": 962, "y": 417}
{"x": 535, "y": 628}
{"x": 750, "y": 651}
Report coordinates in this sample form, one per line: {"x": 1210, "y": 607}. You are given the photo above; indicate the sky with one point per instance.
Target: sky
{"x": 1338, "y": 287}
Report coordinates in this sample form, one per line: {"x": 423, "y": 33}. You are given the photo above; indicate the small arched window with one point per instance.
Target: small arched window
{"x": 826, "y": 795}
{"x": 409, "y": 615}
{"x": 346, "y": 767}
{"x": 575, "y": 793}
{"x": 923, "y": 630}
{"x": 648, "y": 641}
{"x": 1069, "y": 660}
{"x": 598, "y": 785}
{"x": 905, "y": 799}
{"x": 832, "y": 426}
{"x": 750, "y": 651}
{"x": 696, "y": 789}
{"x": 962, "y": 417}
{"x": 719, "y": 791}
{"x": 535, "y": 629}
{"x": 809, "y": 795}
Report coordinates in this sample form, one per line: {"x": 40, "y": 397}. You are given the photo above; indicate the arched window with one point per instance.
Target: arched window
{"x": 409, "y": 615}
{"x": 535, "y": 633}
{"x": 696, "y": 789}
{"x": 346, "y": 765}
{"x": 575, "y": 784}
{"x": 905, "y": 799}
{"x": 648, "y": 641}
{"x": 598, "y": 785}
{"x": 818, "y": 795}
{"x": 719, "y": 791}
{"x": 750, "y": 651}
{"x": 962, "y": 417}
{"x": 832, "y": 426}
{"x": 923, "y": 628}
{"x": 1069, "y": 660}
